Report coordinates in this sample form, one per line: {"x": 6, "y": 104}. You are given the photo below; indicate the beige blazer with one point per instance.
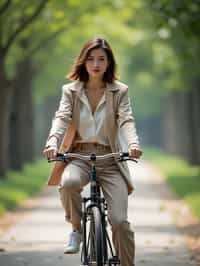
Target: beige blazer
{"x": 118, "y": 114}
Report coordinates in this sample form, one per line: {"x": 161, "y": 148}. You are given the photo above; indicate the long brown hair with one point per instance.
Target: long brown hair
{"x": 79, "y": 72}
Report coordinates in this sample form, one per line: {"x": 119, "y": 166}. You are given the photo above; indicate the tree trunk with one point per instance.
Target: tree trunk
{"x": 195, "y": 98}
{"x": 44, "y": 113}
{"x": 5, "y": 93}
{"x": 149, "y": 130}
{"x": 22, "y": 128}
{"x": 169, "y": 124}
{"x": 181, "y": 127}
{"x": 176, "y": 125}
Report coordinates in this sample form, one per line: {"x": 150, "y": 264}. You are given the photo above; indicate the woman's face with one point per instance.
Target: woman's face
{"x": 96, "y": 63}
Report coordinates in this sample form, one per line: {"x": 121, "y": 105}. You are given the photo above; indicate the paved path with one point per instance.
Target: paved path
{"x": 38, "y": 238}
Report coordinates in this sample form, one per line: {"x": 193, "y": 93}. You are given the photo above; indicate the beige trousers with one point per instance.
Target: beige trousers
{"x": 75, "y": 177}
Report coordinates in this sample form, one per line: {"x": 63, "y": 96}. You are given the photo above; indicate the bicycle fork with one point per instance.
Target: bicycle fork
{"x": 113, "y": 260}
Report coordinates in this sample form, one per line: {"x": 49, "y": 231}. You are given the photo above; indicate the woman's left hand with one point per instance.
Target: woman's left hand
{"x": 134, "y": 151}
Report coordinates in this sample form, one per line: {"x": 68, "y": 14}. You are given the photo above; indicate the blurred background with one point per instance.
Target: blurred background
{"x": 157, "y": 48}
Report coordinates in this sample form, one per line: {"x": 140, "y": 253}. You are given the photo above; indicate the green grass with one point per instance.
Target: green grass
{"x": 183, "y": 178}
{"x": 16, "y": 187}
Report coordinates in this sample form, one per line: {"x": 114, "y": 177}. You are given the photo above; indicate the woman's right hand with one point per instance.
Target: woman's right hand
{"x": 51, "y": 150}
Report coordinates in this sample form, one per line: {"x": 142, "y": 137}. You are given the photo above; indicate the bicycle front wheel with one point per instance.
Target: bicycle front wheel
{"x": 96, "y": 238}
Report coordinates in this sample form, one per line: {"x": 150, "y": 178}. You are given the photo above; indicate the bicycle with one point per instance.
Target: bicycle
{"x": 96, "y": 245}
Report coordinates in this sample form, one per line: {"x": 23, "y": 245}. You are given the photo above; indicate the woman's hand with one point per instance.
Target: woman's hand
{"x": 50, "y": 152}
{"x": 51, "y": 149}
{"x": 134, "y": 151}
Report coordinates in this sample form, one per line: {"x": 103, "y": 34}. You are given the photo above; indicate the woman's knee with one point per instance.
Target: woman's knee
{"x": 70, "y": 183}
{"x": 72, "y": 178}
{"x": 116, "y": 219}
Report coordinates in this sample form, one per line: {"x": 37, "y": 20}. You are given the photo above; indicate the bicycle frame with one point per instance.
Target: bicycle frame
{"x": 94, "y": 207}
{"x": 97, "y": 200}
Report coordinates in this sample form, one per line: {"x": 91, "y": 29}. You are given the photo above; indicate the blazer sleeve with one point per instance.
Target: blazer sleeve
{"x": 63, "y": 116}
{"x": 126, "y": 120}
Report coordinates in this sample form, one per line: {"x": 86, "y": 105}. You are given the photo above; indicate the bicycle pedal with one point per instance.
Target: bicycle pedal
{"x": 114, "y": 261}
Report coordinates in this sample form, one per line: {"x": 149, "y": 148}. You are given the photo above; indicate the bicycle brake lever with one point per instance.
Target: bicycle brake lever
{"x": 127, "y": 159}
{"x": 135, "y": 161}
{"x": 59, "y": 158}
{"x": 51, "y": 160}
{"x": 54, "y": 160}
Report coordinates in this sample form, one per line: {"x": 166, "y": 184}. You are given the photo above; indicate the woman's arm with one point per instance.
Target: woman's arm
{"x": 127, "y": 124}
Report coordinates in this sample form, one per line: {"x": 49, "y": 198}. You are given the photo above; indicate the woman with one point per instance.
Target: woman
{"x": 96, "y": 105}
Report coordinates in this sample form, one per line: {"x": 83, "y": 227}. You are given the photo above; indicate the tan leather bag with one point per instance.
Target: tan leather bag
{"x": 58, "y": 167}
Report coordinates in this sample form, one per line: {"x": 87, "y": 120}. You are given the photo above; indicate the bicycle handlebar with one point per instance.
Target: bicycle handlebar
{"x": 63, "y": 157}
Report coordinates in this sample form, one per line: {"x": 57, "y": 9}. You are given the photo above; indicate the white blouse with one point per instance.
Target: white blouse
{"x": 92, "y": 125}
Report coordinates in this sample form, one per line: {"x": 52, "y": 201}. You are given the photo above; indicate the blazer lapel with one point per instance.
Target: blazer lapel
{"x": 76, "y": 111}
{"x": 110, "y": 120}
{"x": 76, "y": 91}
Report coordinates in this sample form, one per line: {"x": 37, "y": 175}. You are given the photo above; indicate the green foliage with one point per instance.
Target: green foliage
{"x": 18, "y": 186}
{"x": 183, "y": 178}
{"x": 184, "y": 15}
{"x": 149, "y": 73}
{"x": 155, "y": 43}
{"x": 67, "y": 45}
{"x": 180, "y": 20}
{"x": 159, "y": 61}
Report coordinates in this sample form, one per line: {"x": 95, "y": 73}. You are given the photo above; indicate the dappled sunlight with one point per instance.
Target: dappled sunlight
{"x": 157, "y": 47}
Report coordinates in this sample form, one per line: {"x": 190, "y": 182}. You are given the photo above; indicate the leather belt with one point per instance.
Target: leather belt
{"x": 94, "y": 146}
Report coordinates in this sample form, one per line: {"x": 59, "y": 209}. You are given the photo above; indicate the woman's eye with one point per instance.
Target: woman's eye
{"x": 90, "y": 59}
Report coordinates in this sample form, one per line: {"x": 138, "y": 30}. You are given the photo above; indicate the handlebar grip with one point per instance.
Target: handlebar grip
{"x": 125, "y": 157}
{"x": 51, "y": 160}
{"x": 125, "y": 154}
{"x": 59, "y": 157}
{"x": 59, "y": 154}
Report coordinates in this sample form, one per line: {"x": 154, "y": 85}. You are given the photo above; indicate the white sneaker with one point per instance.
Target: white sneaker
{"x": 73, "y": 244}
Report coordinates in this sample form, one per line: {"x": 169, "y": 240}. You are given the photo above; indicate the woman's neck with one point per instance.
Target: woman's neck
{"x": 95, "y": 84}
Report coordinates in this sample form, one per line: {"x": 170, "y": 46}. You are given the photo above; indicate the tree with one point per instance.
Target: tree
{"x": 8, "y": 35}
{"x": 35, "y": 36}
{"x": 180, "y": 21}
